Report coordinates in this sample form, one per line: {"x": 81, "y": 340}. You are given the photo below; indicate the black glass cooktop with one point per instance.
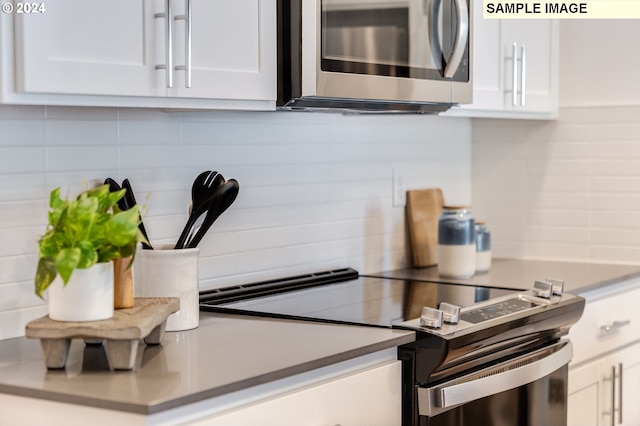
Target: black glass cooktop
{"x": 358, "y": 300}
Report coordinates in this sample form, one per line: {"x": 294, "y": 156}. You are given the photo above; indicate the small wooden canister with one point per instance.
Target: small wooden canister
{"x": 122, "y": 283}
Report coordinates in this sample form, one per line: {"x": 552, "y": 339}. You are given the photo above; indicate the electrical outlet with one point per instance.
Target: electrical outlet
{"x": 399, "y": 188}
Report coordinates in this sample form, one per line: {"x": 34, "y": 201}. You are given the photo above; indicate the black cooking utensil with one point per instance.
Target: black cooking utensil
{"x": 131, "y": 202}
{"x": 224, "y": 196}
{"x": 203, "y": 188}
{"x": 115, "y": 187}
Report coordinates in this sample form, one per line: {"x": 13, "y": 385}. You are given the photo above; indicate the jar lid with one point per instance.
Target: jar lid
{"x": 480, "y": 222}
{"x": 456, "y": 207}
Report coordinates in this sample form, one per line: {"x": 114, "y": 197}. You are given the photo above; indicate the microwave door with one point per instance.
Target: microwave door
{"x": 393, "y": 51}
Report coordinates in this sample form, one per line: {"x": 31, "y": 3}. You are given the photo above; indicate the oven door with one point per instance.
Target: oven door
{"x": 395, "y": 50}
{"x": 527, "y": 390}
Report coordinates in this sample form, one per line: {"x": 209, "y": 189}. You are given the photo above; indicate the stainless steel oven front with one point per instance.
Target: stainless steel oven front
{"x": 398, "y": 53}
{"x": 527, "y": 390}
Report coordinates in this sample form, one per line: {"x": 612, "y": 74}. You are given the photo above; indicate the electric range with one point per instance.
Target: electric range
{"x": 473, "y": 343}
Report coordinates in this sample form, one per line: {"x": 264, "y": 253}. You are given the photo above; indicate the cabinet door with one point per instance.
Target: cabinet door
{"x": 90, "y": 48}
{"x": 493, "y": 68}
{"x": 586, "y": 395}
{"x": 366, "y": 397}
{"x": 598, "y": 390}
{"x": 233, "y": 49}
{"x": 535, "y": 42}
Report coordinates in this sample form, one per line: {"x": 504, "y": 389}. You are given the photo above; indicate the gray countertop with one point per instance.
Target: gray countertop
{"x": 519, "y": 274}
{"x": 227, "y": 353}
{"x": 224, "y": 354}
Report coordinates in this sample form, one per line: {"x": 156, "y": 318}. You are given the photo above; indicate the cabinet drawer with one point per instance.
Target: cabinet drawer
{"x": 607, "y": 324}
{"x": 366, "y": 397}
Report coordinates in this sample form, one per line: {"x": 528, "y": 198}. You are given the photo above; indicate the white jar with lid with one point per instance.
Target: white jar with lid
{"x": 456, "y": 242}
{"x": 483, "y": 247}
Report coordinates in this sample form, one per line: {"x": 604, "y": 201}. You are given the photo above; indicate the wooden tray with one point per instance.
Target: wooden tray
{"x": 119, "y": 335}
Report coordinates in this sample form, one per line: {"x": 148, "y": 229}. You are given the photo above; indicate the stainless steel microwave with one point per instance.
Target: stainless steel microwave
{"x": 374, "y": 55}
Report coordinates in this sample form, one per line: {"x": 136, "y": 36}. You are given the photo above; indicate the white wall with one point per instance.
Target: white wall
{"x": 570, "y": 189}
{"x": 315, "y": 188}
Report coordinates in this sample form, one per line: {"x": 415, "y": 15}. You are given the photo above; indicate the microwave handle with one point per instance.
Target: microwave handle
{"x": 462, "y": 12}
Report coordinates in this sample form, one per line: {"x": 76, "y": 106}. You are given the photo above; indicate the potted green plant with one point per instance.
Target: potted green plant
{"x": 83, "y": 236}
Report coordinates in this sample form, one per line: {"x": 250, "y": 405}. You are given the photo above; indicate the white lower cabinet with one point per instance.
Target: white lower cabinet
{"x": 366, "y": 397}
{"x": 604, "y": 377}
{"x": 593, "y": 395}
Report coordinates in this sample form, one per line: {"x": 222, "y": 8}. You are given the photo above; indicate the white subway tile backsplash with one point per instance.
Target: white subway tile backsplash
{"x": 21, "y": 133}
{"x": 315, "y": 189}
{"x": 19, "y": 187}
{"x": 541, "y": 183}
{"x": 80, "y": 113}
{"x": 259, "y": 260}
{"x": 140, "y": 156}
{"x": 75, "y": 158}
{"x": 156, "y": 132}
{"x": 615, "y": 202}
{"x": 616, "y": 254}
{"x": 581, "y": 177}
{"x": 615, "y": 184}
{"x": 12, "y": 112}
{"x": 561, "y": 201}
{"x": 559, "y": 167}
{"x": 610, "y": 149}
{"x": 19, "y": 295}
{"x": 80, "y": 132}
{"x": 615, "y": 237}
{"x": 615, "y": 167}
{"x": 18, "y": 159}
{"x": 570, "y": 252}
{"x": 14, "y": 320}
{"x": 17, "y": 268}
{"x": 615, "y": 219}
{"x": 20, "y": 240}
{"x": 23, "y": 213}
{"x": 559, "y": 150}
{"x": 621, "y": 114}
{"x": 566, "y": 235}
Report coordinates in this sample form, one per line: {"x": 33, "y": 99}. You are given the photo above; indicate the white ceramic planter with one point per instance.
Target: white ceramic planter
{"x": 88, "y": 296}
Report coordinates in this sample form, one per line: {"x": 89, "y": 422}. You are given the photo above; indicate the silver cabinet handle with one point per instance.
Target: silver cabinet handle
{"x": 523, "y": 77}
{"x": 620, "y": 394}
{"x": 187, "y": 47}
{"x": 614, "y": 326}
{"x": 168, "y": 40}
{"x": 613, "y": 395}
{"x": 514, "y": 71}
{"x": 461, "y": 39}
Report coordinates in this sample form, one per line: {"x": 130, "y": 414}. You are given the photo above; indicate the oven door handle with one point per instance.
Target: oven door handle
{"x": 505, "y": 376}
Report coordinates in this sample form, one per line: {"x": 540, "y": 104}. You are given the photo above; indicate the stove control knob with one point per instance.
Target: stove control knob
{"x": 542, "y": 289}
{"x": 431, "y": 317}
{"x": 450, "y": 313}
{"x": 558, "y": 286}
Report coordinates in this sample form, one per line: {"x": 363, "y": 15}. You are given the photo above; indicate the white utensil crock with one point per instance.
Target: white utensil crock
{"x": 165, "y": 272}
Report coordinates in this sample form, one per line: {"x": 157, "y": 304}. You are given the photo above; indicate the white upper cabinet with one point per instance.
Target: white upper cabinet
{"x": 515, "y": 68}
{"x": 219, "y": 54}
{"x": 97, "y": 48}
